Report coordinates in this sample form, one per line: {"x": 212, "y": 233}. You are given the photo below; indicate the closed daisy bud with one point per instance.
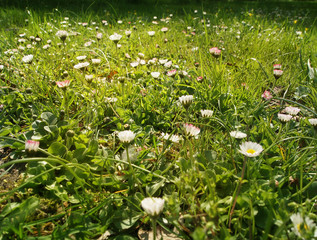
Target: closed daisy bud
{"x": 313, "y": 121}
{"x": 62, "y": 34}
{"x": 292, "y": 110}
{"x": 186, "y": 100}
{"x": 191, "y": 130}
{"x": 28, "y": 59}
{"x": 237, "y": 134}
{"x": 63, "y": 84}
{"x": 32, "y": 146}
{"x": 284, "y": 117}
{"x": 277, "y": 73}
{"x": 153, "y": 206}
{"x": 206, "y": 113}
{"x": 267, "y": 95}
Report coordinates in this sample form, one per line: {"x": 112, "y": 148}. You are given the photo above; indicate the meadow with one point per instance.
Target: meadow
{"x": 175, "y": 122}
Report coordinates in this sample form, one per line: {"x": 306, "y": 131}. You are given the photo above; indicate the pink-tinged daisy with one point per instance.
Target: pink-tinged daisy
{"x": 31, "y": 145}
{"x": 277, "y": 66}
{"x": 191, "y": 130}
{"x": 199, "y": 79}
{"x": 63, "y": 84}
{"x": 277, "y": 73}
{"x": 250, "y": 149}
{"x": 164, "y": 29}
{"x": 171, "y": 73}
{"x": 267, "y": 95}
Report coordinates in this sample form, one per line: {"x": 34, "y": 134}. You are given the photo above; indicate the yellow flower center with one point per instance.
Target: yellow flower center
{"x": 299, "y": 227}
{"x": 251, "y": 151}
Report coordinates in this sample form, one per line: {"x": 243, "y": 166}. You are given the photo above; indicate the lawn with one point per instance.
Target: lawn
{"x": 158, "y": 121}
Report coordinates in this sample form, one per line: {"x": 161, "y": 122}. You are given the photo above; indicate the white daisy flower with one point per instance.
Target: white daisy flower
{"x": 284, "y": 117}
{"x": 173, "y": 138}
{"x": 151, "y": 33}
{"x": 62, "y": 34}
{"x": 126, "y": 136}
{"x": 153, "y": 206}
{"x": 302, "y": 226}
{"x": 238, "y": 134}
{"x": 27, "y": 58}
{"x": 81, "y": 65}
{"x": 81, "y": 58}
{"x": 115, "y": 38}
{"x": 292, "y": 110}
{"x": 155, "y": 74}
{"x": 96, "y": 61}
{"x": 313, "y": 121}
{"x": 186, "y": 100}
{"x": 250, "y": 149}
{"x": 206, "y": 113}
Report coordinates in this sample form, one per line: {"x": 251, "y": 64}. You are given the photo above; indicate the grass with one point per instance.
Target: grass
{"x": 84, "y": 182}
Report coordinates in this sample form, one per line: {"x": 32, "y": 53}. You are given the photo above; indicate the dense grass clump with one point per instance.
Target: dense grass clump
{"x": 173, "y": 123}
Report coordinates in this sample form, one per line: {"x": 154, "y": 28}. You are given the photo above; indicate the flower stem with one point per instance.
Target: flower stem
{"x": 238, "y": 190}
{"x": 154, "y": 227}
{"x": 132, "y": 171}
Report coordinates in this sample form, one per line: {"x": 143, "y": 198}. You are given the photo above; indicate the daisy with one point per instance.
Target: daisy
{"x": 277, "y": 66}
{"x": 267, "y": 95}
{"x": 302, "y": 226}
{"x": 277, "y": 73}
{"x": 292, "y": 110}
{"x": 89, "y": 77}
{"x": 63, "y": 84}
{"x": 81, "y": 58}
{"x": 186, "y": 100}
{"x": 151, "y": 33}
{"x": 155, "y": 74}
{"x": 171, "y": 73}
{"x": 32, "y": 145}
{"x": 284, "y": 117}
{"x": 250, "y": 149}
{"x": 313, "y": 121}
{"x": 99, "y": 36}
{"x": 115, "y": 38}
{"x": 168, "y": 64}
{"x": 164, "y": 29}
{"x": 237, "y": 134}
{"x": 96, "y": 61}
{"x": 62, "y": 34}
{"x": 191, "y": 130}
{"x": 81, "y": 65}
{"x": 173, "y": 138}
{"x": 128, "y": 33}
{"x": 206, "y": 113}
{"x": 153, "y": 206}
{"x": 126, "y": 136}
{"x": 27, "y": 58}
